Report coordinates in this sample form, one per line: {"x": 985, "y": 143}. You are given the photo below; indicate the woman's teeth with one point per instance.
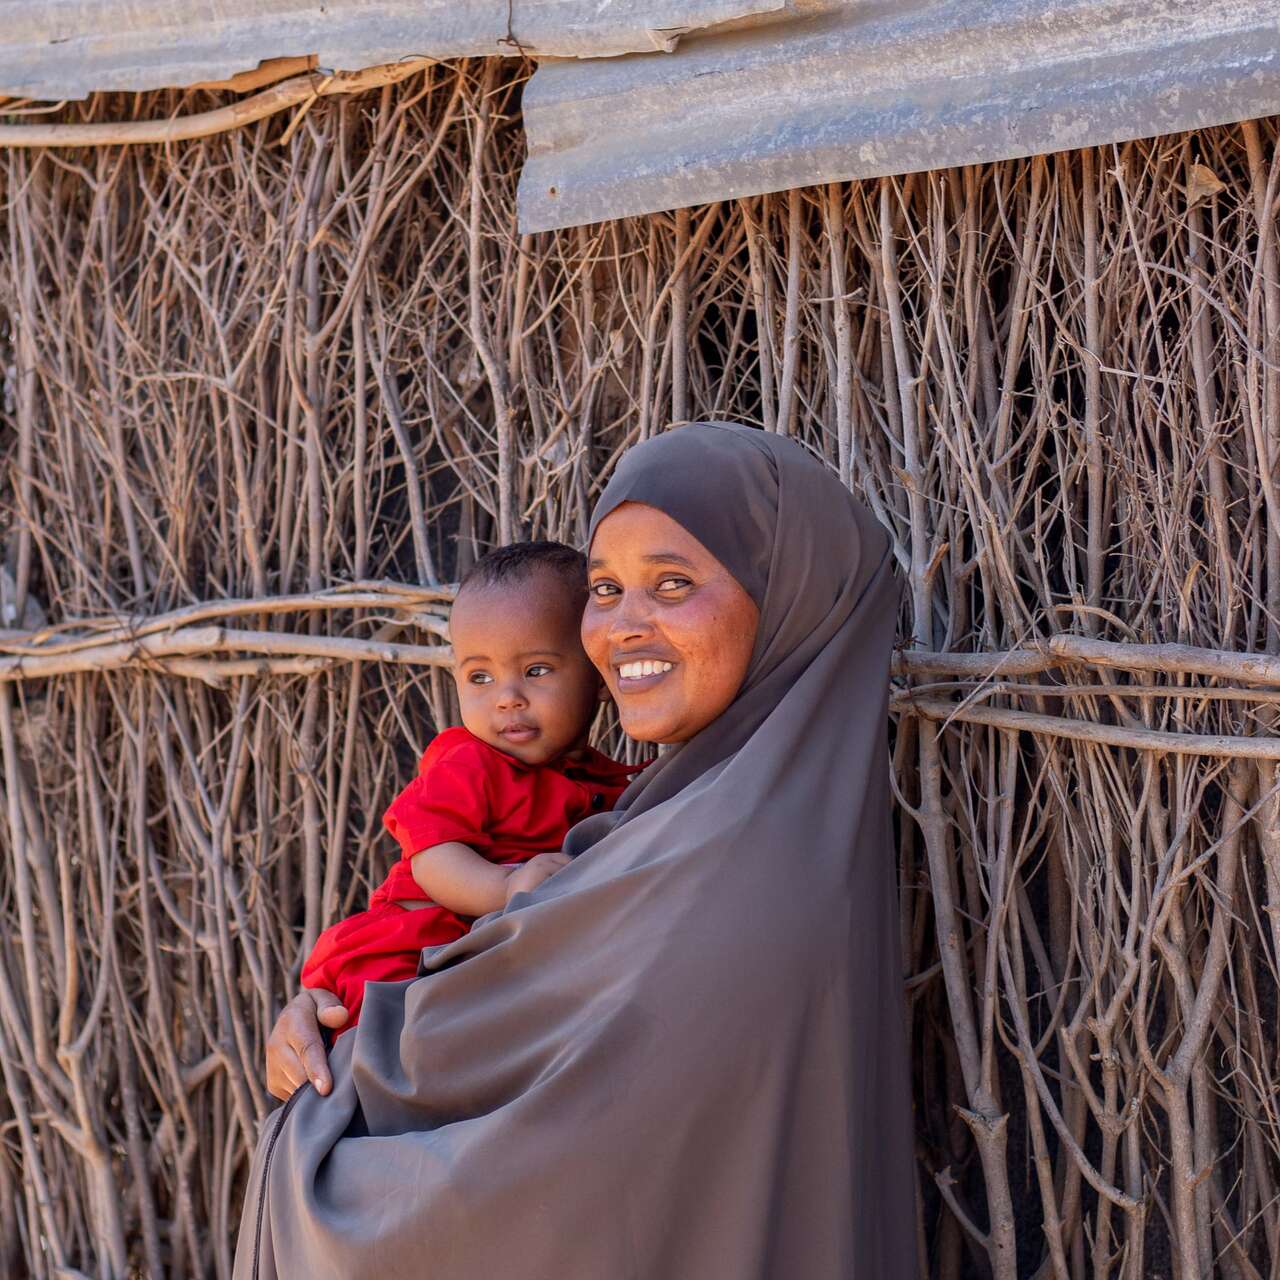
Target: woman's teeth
{"x": 637, "y": 670}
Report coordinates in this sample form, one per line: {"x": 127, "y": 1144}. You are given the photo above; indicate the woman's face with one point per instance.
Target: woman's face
{"x": 666, "y": 623}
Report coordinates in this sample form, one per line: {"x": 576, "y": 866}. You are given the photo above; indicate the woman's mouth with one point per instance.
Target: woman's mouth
{"x": 642, "y": 674}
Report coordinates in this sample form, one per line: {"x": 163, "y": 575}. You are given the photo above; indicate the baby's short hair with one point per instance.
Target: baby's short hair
{"x": 521, "y": 560}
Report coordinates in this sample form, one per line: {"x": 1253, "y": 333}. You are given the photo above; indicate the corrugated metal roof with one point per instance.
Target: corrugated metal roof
{"x": 54, "y": 49}
{"x": 869, "y": 88}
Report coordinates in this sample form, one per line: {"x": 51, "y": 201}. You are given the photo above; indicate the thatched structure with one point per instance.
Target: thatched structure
{"x": 264, "y": 394}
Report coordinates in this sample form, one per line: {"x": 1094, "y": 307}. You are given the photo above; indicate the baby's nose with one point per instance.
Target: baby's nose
{"x": 511, "y": 696}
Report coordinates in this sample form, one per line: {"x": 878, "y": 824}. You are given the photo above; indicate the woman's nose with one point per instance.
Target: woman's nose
{"x": 630, "y": 620}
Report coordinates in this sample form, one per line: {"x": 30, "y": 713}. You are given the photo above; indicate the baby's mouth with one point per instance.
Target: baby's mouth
{"x": 519, "y": 732}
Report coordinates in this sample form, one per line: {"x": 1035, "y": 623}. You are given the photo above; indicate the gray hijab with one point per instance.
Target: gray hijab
{"x": 684, "y": 1056}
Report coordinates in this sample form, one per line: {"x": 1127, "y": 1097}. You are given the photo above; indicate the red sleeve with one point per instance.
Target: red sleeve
{"x": 448, "y": 800}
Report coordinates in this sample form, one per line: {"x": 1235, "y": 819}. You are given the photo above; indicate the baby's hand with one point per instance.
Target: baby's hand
{"x": 539, "y": 868}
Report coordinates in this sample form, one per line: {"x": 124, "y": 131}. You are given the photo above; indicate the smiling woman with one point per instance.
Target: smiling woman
{"x": 670, "y": 627}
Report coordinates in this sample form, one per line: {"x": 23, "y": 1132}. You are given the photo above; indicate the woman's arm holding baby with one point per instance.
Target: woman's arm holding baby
{"x": 295, "y": 1048}
{"x": 457, "y": 877}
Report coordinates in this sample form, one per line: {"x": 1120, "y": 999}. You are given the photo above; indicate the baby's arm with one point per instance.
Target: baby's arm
{"x": 457, "y": 877}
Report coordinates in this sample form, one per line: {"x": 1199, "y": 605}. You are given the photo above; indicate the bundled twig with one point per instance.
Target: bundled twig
{"x": 258, "y": 386}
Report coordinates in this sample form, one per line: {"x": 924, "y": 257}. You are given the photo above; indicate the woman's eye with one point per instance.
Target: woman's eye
{"x": 673, "y": 584}
{"x": 479, "y": 677}
{"x": 603, "y": 589}
{"x": 538, "y": 669}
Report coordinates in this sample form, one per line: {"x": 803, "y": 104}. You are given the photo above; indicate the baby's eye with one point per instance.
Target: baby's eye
{"x": 538, "y": 669}
{"x": 479, "y": 677}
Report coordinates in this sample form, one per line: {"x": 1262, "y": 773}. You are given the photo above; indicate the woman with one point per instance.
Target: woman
{"x": 684, "y": 1055}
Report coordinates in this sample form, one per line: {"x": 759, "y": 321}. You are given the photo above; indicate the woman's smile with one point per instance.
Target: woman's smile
{"x": 637, "y": 673}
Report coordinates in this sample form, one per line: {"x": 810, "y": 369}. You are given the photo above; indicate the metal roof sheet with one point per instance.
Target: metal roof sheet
{"x": 57, "y": 49}
{"x": 861, "y": 89}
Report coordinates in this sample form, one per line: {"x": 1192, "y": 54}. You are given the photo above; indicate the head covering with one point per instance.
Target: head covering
{"x": 683, "y": 1057}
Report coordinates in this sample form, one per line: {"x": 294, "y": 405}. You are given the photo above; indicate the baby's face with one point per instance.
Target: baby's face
{"x": 524, "y": 682}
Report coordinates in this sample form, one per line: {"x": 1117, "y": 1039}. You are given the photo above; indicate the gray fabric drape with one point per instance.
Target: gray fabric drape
{"x": 684, "y": 1056}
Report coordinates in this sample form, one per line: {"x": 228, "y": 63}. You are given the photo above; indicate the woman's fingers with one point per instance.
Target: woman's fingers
{"x": 285, "y": 1071}
{"x": 313, "y": 1006}
{"x": 295, "y": 1051}
{"x": 280, "y": 1061}
{"x": 315, "y": 1062}
{"x": 286, "y": 1080}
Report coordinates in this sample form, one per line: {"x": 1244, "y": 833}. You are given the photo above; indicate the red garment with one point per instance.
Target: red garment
{"x": 471, "y": 792}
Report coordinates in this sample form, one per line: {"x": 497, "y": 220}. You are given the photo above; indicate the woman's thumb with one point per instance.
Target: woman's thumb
{"x": 330, "y": 1011}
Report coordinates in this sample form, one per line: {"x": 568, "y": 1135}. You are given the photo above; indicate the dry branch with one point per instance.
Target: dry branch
{"x": 298, "y": 90}
{"x": 1222, "y": 746}
{"x": 82, "y": 633}
{"x": 189, "y": 642}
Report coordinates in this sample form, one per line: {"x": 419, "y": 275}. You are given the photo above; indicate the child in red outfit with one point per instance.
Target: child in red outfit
{"x": 492, "y": 802}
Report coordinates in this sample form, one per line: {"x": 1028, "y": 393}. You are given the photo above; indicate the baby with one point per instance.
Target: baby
{"x": 486, "y": 815}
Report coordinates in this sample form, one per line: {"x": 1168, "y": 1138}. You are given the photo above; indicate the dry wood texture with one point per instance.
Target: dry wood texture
{"x": 256, "y": 385}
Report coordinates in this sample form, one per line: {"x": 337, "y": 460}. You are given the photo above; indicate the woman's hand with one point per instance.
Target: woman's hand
{"x": 295, "y": 1051}
{"x": 542, "y": 866}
